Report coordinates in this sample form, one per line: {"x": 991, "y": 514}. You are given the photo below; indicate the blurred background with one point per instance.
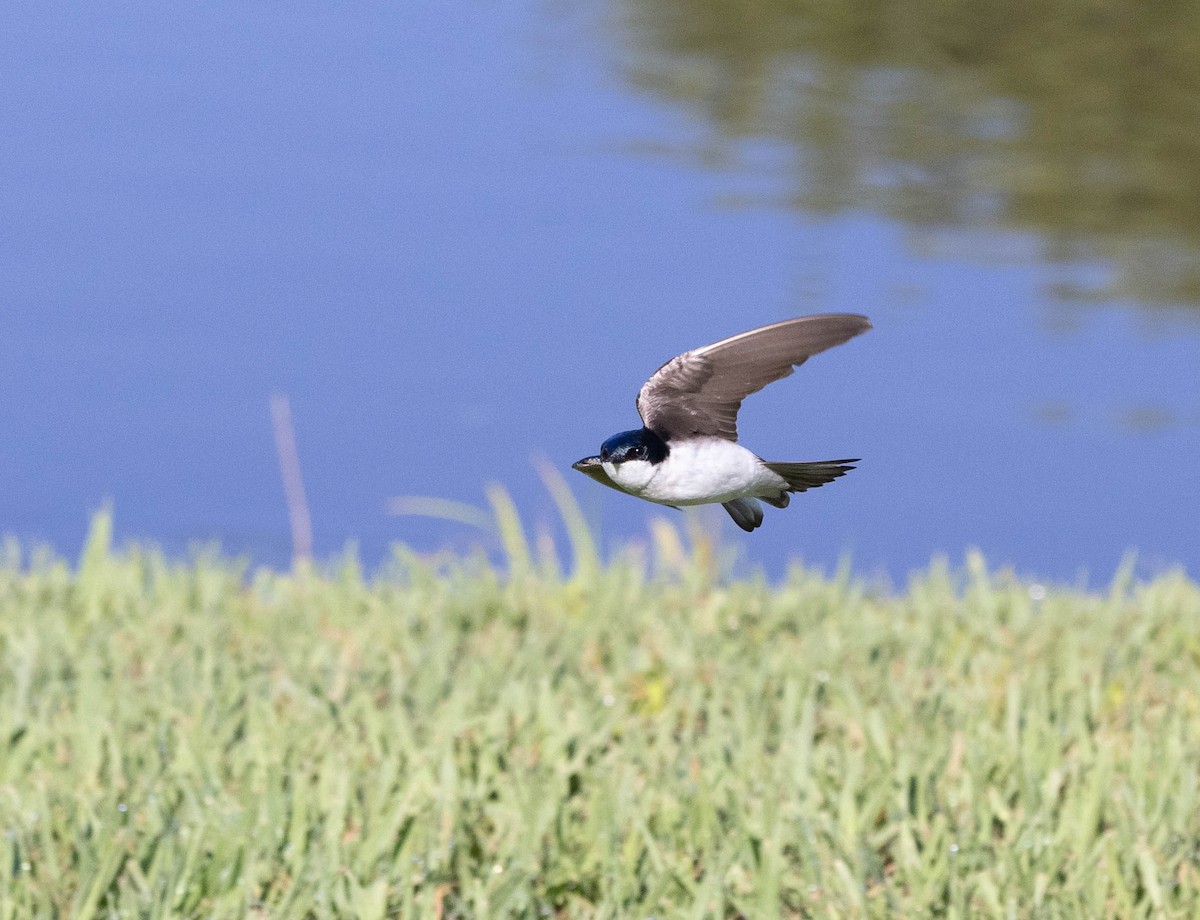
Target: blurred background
{"x": 459, "y": 236}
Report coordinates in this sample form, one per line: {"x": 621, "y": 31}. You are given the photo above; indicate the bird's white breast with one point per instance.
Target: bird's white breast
{"x": 697, "y": 472}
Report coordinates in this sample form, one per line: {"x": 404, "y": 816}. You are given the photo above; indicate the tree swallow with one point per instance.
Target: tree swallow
{"x": 687, "y": 453}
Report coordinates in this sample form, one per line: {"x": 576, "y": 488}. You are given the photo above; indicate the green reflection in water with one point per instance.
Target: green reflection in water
{"x": 1077, "y": 120}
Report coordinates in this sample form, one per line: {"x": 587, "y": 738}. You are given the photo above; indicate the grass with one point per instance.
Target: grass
{"x": 630, "y": 740}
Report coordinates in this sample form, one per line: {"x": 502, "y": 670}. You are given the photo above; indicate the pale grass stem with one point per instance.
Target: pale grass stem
{"x": 299, "y": 520}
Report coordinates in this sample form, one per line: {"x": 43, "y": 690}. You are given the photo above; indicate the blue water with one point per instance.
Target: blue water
{"x": 450, "y": 235}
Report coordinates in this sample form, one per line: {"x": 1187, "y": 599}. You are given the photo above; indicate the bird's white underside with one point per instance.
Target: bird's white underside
{"x": 696, "y": 473}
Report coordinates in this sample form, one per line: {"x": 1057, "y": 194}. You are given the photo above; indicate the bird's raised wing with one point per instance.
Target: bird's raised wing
{"x": 699, "y": 392}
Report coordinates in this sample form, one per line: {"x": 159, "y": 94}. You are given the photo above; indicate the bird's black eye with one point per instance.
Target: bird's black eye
{"x": 636, "y": 453}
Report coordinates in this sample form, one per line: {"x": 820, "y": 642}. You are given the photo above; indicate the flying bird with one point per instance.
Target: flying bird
{"x": 686, "y": 452}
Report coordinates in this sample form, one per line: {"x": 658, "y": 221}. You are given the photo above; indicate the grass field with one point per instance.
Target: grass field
{"x": 633, "y": 740}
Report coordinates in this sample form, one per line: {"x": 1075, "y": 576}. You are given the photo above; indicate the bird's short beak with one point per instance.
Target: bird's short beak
{"x": 593, "y": 468}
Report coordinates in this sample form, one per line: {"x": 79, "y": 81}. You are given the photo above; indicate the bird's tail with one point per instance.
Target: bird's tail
{"x": 803, "y": 476}
{"x": 747, "y": 513}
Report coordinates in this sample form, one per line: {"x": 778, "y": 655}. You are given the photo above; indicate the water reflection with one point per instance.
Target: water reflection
{"x": 1146, "y": 418}
{"x": 1076, "y": 121}
{"x": 422, "y": 225}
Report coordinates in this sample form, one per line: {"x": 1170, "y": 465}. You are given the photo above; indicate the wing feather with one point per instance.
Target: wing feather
{"x": 699, "y": 392}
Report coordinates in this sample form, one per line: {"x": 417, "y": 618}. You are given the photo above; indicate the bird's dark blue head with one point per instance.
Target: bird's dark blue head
{"x": 639, "y": 444}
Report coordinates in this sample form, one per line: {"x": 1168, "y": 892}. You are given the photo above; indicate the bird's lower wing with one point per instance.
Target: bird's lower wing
{"x": 747, "y": 513}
